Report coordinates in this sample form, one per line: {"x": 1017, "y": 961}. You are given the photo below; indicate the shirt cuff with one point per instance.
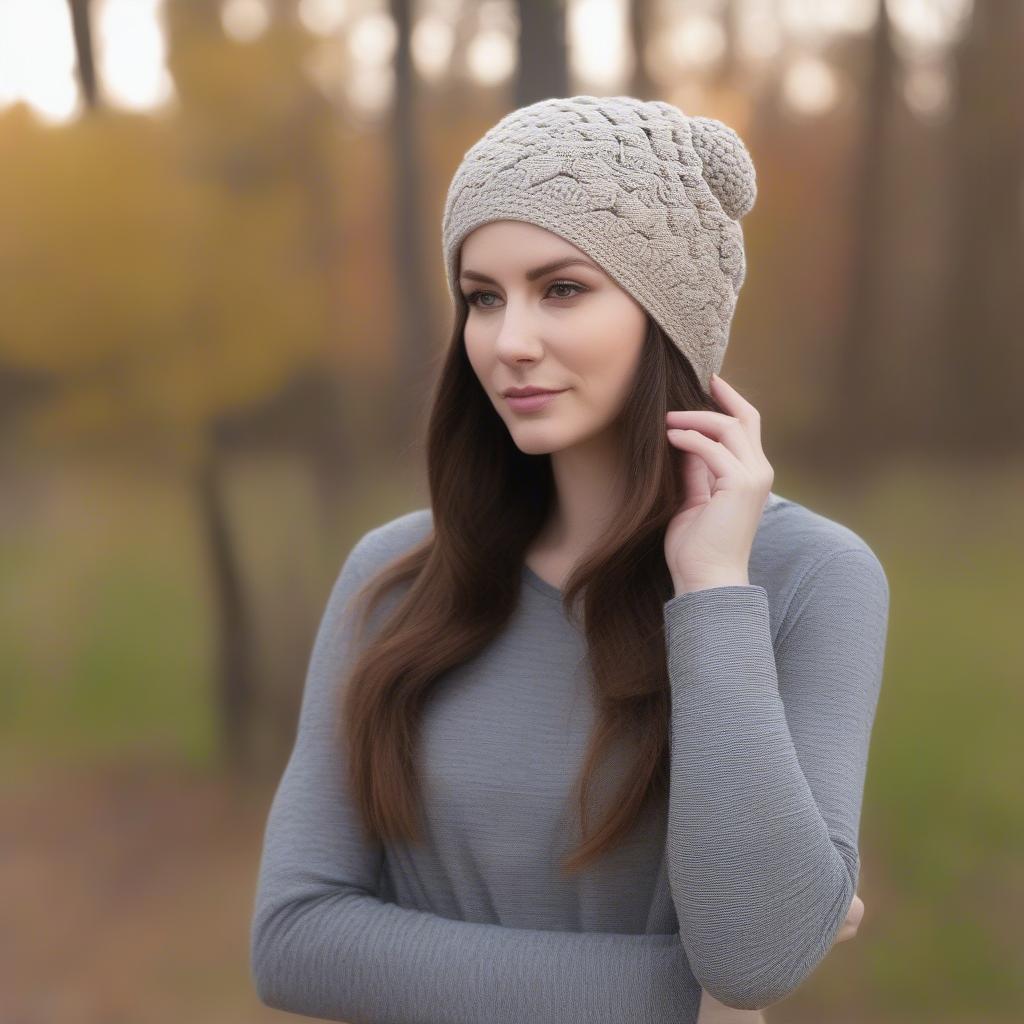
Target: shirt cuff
{"x": 720, "y": 636}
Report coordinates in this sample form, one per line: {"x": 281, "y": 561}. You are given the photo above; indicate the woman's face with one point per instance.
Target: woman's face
{"x": 573, "y": 329}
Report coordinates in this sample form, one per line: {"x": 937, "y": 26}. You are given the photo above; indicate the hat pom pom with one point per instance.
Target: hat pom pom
{"x": 726, "y": 165}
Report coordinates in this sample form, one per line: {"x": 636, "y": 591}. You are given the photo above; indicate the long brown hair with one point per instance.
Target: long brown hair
{"x": 488, "y": 501}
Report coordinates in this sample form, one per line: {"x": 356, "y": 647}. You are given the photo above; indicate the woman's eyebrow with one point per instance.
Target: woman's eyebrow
{"x": 532, "y": 275}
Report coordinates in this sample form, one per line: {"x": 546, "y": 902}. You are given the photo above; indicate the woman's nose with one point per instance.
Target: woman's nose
{"x": 518, "y": 332}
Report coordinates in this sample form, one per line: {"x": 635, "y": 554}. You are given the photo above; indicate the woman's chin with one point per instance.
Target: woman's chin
{"x": 535, "y": 445}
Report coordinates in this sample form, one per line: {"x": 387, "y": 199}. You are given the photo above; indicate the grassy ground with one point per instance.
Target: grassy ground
{"x": 130, "y": 865}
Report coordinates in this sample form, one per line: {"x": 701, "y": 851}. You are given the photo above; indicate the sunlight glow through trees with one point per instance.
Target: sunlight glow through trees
{"x": 37, "y": 55}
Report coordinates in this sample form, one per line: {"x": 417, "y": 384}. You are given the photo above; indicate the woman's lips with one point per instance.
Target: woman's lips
{"x": 529, "y": 403}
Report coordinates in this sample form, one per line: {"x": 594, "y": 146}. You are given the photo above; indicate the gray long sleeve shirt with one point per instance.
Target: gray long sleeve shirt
{"x": 738, "y": 886}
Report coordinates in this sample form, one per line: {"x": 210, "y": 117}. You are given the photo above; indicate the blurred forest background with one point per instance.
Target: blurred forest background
{"x": 222, "y": 300}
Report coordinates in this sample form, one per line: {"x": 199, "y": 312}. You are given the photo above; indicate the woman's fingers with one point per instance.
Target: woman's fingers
{"x": 721, "y": 460}
{"x": 856, "y": 912}
{"x": 853, "y": 918}
{"x": 728, "y": 430}
{"x": 733, "y": 402}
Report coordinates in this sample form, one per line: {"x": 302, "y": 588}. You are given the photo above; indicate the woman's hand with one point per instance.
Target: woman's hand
{"x": 727, "y": 479}
{"x": 713, "y": 1012}
{"x": 853, "y": 919}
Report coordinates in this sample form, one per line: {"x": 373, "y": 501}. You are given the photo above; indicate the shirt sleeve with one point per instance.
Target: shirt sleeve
{"x": 769, "y": 756}
{"x": 323, "y": 944}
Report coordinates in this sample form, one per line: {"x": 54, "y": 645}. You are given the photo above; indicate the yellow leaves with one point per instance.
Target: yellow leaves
{"x": 91, "y": 247}
{"x": 151, "y": 296}
{"x": 164, "y": 270}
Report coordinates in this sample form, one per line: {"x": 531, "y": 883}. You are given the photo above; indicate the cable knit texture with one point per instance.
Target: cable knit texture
{"x": 737, "y": 883}
{"x": 651, "y": 194}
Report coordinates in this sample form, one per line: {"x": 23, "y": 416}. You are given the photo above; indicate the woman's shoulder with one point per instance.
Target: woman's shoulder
{"x": 389, "y": 540}
{"x": 797, "y": 547}
{"x": 793, "y": 529}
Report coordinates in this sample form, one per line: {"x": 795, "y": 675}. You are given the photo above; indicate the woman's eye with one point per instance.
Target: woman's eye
{"x": 566, "y": 284}
{"x": 473, "y": 297}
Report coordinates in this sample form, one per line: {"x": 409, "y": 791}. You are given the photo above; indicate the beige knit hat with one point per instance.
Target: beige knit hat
{"x": 651, "y": 194}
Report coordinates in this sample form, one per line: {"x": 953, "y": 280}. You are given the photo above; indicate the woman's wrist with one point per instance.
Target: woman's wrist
{"x": 725, "y": 580}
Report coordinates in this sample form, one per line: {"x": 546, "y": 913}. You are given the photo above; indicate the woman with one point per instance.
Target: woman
{"x": 604, "y": 615}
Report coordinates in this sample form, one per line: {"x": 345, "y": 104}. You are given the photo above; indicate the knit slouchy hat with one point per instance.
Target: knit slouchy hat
{"x": 652, "y": 195}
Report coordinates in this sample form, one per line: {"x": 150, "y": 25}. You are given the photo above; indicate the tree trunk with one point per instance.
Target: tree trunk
{"x": 641, "y": 23}
{"x": 857, "y": 425}
{"x": 235, "y": 694}
{"x": 80, "y": 25}
{"x": 415, "y": 330}
{"x": 543, "y": 60}
{"x": 981, "y": 358}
